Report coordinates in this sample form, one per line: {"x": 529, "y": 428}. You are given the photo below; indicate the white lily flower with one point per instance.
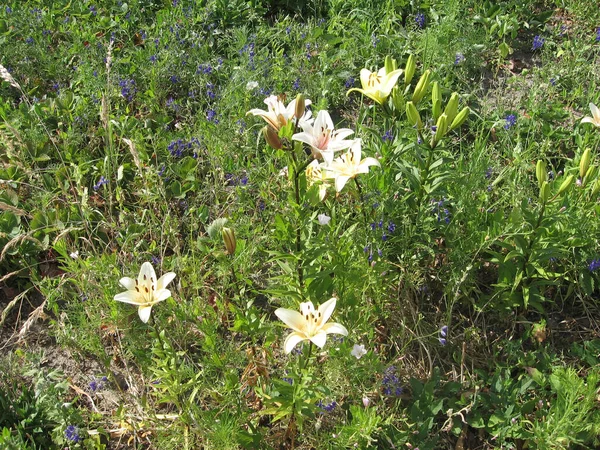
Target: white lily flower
{"x": 309, "y": 324}
{"x": 315, "y": 173}
{"x": 278, "y": 115}
{"x": 349, "y": 165}
{"x": 595, "y": 119}
{"x": 146, "y": 290}
{"x": 322, "y": 138}
{"x": 377, "y": 85}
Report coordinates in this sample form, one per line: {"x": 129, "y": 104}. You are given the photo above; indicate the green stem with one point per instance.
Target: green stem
{"x": 362, "y": 200}
{"x": 298, "y": 231}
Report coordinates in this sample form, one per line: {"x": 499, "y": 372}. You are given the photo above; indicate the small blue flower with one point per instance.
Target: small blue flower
{"x": 288, "y": 380}
{"x": 388, "y": 136}
{"x": 594, "y": 265}
{"x": 511, "y": 121}
{"x": 598, "y": 34}
{"x": 349, "y": 82}
{"x": 102, "y": 181}
{"x": 420, "y": 20}
{"x": 374, "y": 40}
{"x": 296, "y": 85}
{"x": 211, "y": 116}
{"x": 72, "y": 433}
{"x": 391, "y": 227}
{"x": 459, "y": 59}
{"x": 538, "y": 42}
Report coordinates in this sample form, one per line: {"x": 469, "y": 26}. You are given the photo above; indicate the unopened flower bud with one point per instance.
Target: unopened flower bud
{"x": 460, "y": 118}
{"x": 409, "y": 71}
{"x": 421, "y": 87}
{"x": 366, "y": 402}
{"x": 441, "y": 129}
{"x": 413, "y": 115}
{"x": 541, "y": 173}
{"x": 566, "y": 184}
{"x": 452, "y": 107}
{"x": 272, "y": 138}
{"x": 300, "y": 106}
{"x": 545, "y": 192}
{"x": 229, "y": 240}
{"x": 584, "y": 164}
{"x": 390, "y": 64}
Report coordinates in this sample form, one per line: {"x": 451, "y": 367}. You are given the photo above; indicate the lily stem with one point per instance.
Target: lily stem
{"x": 362, "y": 200}
{"x": 298, "y": 216}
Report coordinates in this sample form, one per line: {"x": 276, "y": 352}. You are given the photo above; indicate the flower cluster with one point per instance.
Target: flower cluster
{"x": 459, "y": 59}
{"x": 72, "y": 433}
{"x": 440, "y": 210}
{"x": 420, "y": 20}
{"x": 128, "y": 89}
{"x": 97, "y": 384}
{"x": 538, "y": 42}
{"x": 179, "y": 147}
{"x": 443, "y": 334}
{"x": 511, "y": 121}
{"x": 390, "y": 383}
{"x": 326, "y": 407}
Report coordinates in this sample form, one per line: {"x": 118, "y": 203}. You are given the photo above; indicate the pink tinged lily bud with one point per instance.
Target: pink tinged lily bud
{"x": 272, "y": 138}
{"x": 300, "y": 106}
{"x": 229, "y": 240}
{"x": 366, "y": 402}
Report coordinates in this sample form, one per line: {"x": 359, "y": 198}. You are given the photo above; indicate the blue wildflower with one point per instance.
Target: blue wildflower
{"x": 594, "y": 265}
{"x": 538, "y": 42}
{"x": 349, "y": 82}
{"x": 459, "y": 59}
{"x": 211, "y": 116}
{"x": 420, "y": 20}
{"x": 102, "y": 181}
{"x": 511, "y": 121}
{"x": 391, "y": 383}
{"x": 72, "y": 433}
{"x": 598, "y": 34}
{"x": 391, "y": 227}
{"x": 388, "y": 136}
{"x": 296, "y": 84}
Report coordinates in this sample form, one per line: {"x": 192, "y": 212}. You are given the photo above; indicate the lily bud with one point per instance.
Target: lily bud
{"x": 409, "y": 71}
{"x": 545, "y": 192}
{"x": 229, "y": 240}
{"x": 460, "y": 118}
{"x": 300, "y": 106}
{"x": 440, "y": 130}
{"x": 390, "y": 64}
{"x": 413, "y": 115}
{"x": 272, "y": 138}
{"x": 436, "y": 100}
{"x": 566, "y": 184}
{"x": 452, "y": 107}
{"x": 421, "y": 87}
{"x": 584, "y": 164}
{"x": 591, "y": 173}
{"x": 541, "y": 173}
{"x": 398, "y": 99}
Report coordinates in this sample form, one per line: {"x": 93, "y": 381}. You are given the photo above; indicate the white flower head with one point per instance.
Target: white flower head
{"x": 349, "y": 165}
{"x": 309, "y": 324}
{"x": 358, "y": 351}
{"x": 315, "y": 173}
{"x": 278, "y": 115}
{"x": 322, "y": 138}
{"x": 323, "y": 219}
{"x": 146, "y": 290}
{"x": 595, "y": 119}
{"x": 75, "y": 254}
{"x": 251, "y": 85}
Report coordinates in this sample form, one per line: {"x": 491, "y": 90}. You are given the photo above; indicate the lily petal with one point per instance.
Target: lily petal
{"x": 161, "y": 295}
{"x": 291, "y": 341}
{"x": 146, "y": 273}
{"x": 390, "y": 81}
{"x": 291, "y": 318}
{"x": 595, "y": 112}
{"x": 144, "y": 312}
{"x": 127, "y": 283}
{"x": 165, "y": 280}
{"x": 340, "y": 182}
{"x": 335, "y": 328}
{"x": 326, "y": 310}
{"x": 131, "y": 297}
{"x": 319, "y": 339}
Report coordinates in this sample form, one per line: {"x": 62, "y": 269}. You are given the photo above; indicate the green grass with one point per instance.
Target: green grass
{"x": 125, "y": 139}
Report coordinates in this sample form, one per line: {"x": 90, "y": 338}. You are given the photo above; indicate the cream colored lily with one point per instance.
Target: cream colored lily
{"x": 349, "y": 165}
{"x": 278, "y": 115}
{"x": 322, "y": 138}
{"x": 595, "y": 119}
{"x": 317, "y": 174}
{"x": 377, "y": 85}
{"x": 146, "y": 290}
{"x": 309, "y": 324}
